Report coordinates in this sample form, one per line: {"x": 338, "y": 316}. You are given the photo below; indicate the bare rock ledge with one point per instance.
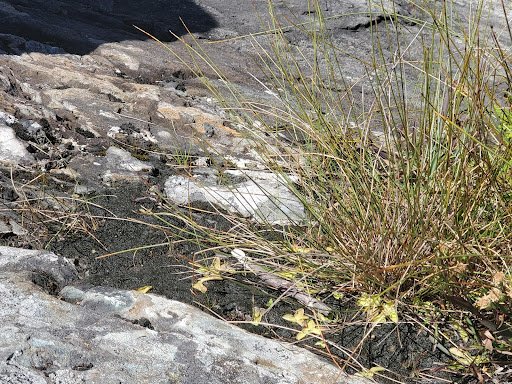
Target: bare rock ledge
{"x": 105, "y": 335}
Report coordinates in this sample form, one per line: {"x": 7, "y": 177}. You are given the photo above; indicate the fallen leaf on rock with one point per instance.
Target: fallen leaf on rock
{"x": 144, "y": 289}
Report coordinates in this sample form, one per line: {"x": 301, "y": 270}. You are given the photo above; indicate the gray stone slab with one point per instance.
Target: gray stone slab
{"x": 98, "y": 335}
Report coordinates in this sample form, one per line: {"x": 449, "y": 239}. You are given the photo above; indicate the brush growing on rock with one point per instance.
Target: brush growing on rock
{"x": 404, "y": 175}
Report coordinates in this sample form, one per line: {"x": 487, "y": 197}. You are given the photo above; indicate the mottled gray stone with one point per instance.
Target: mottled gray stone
{"x": 117, "y": 166}
{"x": 94, "y": 336}
{"x": 8, "y": 226}
{"x": 58, "y": 268}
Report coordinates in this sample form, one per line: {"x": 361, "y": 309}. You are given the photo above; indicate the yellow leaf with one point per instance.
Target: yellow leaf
{"x": 257, "y": 315}
{"x": 214, "y": 269}
{"x": 320, "y": 344}
{"x": 200, "y": 286}
{"x": 338, "y": 295}
{"x": 378, "y": 318}
{"x": 301, "y": 335}
{"x": 202, "y": 269}
{"x": 289, "y": 317}
{"x": 310, "y": 328}
{"x": 211, "y": 277}
{"x": 368, "y": 302}
{"x": 298, "y": 317}
{"x": 144, "y": 289}
{"x": 464, "y": 335}
{"x": 288, "y": 275}
{"x": 216, "y": 264}
{"x": 369, "y": 373}
{"x": 313, "y": 328}
{"x": 221, "y": 267}
{"x": 480, "y": 359}
{"x": 462, "y": 357}
{"x": 329, "y": 249}
{"x": 297, "y": 249}
{"x": 389, "y": 311}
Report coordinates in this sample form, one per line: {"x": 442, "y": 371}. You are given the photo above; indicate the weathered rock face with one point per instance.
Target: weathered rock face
{"x": 87, "y": 101}
{"x": 127, "y": 89}
{"x": 79, "y": 27}
{"x": 103, "y": 335}
{"x": 11, "y": 148}
{"x": 117, "y": 114}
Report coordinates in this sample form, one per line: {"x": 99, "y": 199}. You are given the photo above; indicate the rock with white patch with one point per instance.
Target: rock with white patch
{"x": 12, "y": 150}
{"x": 263, "y": 196}
{"x": 117, "y": 166}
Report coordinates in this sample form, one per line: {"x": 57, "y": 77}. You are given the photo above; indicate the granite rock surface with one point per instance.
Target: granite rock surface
{"x": 52, "y": 332}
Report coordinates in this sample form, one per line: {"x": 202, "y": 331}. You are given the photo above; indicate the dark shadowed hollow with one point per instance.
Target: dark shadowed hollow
{"x": 80, "y": 26}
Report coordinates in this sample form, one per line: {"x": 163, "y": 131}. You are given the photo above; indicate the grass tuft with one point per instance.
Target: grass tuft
{"x": 408, "y": 189}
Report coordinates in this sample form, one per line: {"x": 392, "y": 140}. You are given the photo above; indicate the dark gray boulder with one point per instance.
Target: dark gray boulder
{"x": 78, "y": 27}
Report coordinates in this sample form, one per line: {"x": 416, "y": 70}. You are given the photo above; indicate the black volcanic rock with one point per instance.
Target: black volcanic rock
{"x": 79, "y": 26}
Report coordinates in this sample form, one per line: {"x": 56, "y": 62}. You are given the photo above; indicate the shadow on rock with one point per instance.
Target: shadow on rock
{"x": 80, "y": 26}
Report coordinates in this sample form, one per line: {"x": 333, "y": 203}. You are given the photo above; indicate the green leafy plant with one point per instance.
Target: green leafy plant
{"x": 214, "y": 271}
{"x": 377, "y": 310}
{"x": 309, "y": 326}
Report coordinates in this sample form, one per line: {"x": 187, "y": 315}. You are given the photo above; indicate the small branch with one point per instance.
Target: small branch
{"x": 275, "y": 282}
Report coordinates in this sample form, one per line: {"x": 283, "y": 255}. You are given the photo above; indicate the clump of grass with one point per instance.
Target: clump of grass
{"x": 409, "y": 199}
{"x": 46, "y": 216}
